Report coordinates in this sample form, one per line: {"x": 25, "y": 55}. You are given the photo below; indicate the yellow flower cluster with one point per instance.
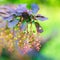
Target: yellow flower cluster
{"x": 25, "y": 40}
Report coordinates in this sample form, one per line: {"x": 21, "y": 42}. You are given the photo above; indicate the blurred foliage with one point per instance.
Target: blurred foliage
{"x": 44, "y": 2}
{"x": 5, "y": 55}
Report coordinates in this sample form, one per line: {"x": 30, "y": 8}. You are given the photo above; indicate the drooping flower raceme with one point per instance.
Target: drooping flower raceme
{"x": 21, "y": 16}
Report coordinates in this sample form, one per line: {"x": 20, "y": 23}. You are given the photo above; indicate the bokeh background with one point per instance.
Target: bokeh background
{"x": 51, "y": 9}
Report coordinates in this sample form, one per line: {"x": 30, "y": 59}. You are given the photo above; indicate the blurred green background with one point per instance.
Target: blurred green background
{"x": 50, "y": 9}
